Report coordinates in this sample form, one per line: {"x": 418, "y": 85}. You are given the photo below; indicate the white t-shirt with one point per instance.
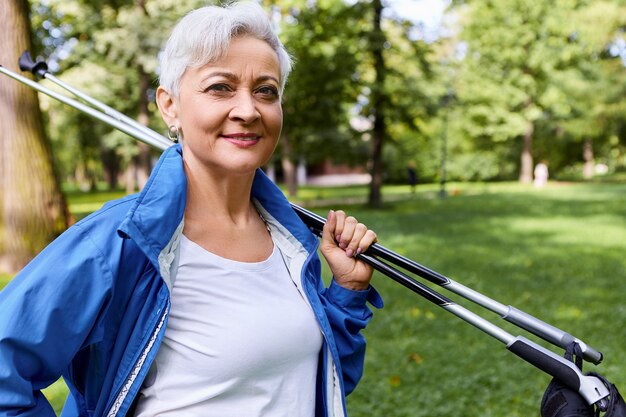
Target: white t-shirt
{"x": 240, "y": 341}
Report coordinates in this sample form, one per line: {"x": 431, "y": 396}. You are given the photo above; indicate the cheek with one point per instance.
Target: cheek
{"x": 200, "y": 114}
{"x": 276, "y": 119}
{"x": 202, "y": 125}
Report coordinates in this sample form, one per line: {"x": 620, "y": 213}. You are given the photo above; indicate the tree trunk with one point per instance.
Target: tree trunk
{"x": 84, "y": 179}
{"x": 588, "y": 158}
{"x": 378, "y": 100}
{"x": 526, "y": 159}
{"x": 111, "y": 166}
{"x": 33, "y": 210}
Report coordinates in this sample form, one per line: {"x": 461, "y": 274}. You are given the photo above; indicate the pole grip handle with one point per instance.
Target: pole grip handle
{"x": 26, "y": 63}
{"x": 562, "y": 370}
{"x": 566, "y": 372}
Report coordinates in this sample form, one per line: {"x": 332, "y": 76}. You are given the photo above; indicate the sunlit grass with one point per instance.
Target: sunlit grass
{"x": 4, "y": 279}
{"x": 556, "y": 253}
{"x": 81, "y": 204}
{"x": 56, "y": 394}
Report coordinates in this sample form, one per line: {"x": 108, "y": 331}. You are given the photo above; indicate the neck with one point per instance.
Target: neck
{"x": 226, "y": 198}
{"x": 220, "y": 217}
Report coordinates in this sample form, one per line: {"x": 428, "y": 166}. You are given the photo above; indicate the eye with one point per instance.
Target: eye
{"x": 218, "y": 88}
{"x": 267, "y": 92}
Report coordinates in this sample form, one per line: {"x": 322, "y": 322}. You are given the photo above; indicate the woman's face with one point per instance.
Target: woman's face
{"x": 229, "y": 111}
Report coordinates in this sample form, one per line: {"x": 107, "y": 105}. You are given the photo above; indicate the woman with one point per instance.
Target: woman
{"x": 202, "y": 295}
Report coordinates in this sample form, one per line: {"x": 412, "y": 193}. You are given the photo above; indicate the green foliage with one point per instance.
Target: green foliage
{"x": 323, "y": 40}
{"x": 543, "y": 67}
{"x": 328, "y": 100}
{"x": 512, "y": 49}
{"x": 4, "y": 279}
{"x": 501, "y": 68}
{"x": 477, "y": 166}
{"x": 414, "y": 88}
{"x": 102, "y": 49}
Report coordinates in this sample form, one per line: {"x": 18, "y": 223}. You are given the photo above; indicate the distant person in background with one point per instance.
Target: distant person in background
{"x": 412, "y": 176}
{"x": 541, "y": 174}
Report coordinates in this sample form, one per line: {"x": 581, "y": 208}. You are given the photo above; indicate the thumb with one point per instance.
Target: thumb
{"x": 328, "y": 232}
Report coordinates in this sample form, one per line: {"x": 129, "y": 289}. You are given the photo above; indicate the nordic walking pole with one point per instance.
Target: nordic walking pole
{"x": 120, "y": 125}
{"x": 509, "y": 313}
{"x": 590, "y": 388}
{"x": 40, "y": 69}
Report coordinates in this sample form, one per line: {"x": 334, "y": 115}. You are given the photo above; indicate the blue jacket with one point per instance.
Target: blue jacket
{"x": 93, "y": 305}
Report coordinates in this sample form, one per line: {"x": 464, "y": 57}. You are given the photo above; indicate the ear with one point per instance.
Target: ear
{"x": 167, "y": 106}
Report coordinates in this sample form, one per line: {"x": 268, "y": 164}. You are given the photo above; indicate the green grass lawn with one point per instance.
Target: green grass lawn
{"x": 556, "y": 253}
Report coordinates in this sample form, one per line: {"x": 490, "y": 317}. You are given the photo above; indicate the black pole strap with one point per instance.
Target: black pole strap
{"x": 26, "y": 63}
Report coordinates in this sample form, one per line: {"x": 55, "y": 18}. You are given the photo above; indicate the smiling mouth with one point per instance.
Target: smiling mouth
{"x": 242, "y": 137}
{"x": 243, "y": 140}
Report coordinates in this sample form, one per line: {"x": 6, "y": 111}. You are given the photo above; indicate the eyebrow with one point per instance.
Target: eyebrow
{"x": 268, "y": 77}
{"x": 232, "y": 77}
{"x": 227, "y": 75}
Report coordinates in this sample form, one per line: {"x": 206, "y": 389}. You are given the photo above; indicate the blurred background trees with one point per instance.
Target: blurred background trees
{"x": 483, "y": 92}
{"x": 505, "y": 83}
{"x": 539, "y": 77}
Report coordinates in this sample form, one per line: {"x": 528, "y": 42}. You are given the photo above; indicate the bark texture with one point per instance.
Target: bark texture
{"x": 588, "y": 158}
{"x": 526, "y": 157}
{"x": 32, "y": 208}
{"x": 379, "y": 131}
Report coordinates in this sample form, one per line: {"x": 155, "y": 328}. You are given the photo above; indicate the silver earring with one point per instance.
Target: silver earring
{"x": 173, "y": 133}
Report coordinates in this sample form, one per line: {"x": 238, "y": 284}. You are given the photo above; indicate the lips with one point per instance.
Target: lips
{"x": 242, "y": 140}
{"x": 242, "y": 136}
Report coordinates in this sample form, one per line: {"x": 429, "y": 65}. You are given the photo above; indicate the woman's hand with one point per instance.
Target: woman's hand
{"x": 343, "y": 237}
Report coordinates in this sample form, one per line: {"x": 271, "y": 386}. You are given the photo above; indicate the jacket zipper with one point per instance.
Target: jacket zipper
{"x": 123, "y": 393}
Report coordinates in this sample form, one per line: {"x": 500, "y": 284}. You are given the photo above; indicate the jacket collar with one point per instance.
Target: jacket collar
{"x": 159, "y": 207}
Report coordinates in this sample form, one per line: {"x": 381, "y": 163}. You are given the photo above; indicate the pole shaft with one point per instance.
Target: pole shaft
{"x": 316, "y": 223}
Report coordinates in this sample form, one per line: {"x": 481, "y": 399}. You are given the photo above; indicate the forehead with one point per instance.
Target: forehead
{"x": 244, "y": 56}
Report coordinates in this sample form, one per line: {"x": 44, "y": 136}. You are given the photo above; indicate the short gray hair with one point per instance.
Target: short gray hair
{"x": 204, "y": 34}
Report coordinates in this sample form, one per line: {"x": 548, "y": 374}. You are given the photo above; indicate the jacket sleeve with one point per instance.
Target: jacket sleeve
{"x": 348, "y": 314}
{"x": 47, "y": 313}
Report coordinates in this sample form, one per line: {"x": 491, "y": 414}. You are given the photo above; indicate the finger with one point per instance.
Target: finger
{"x": 339, "y": 225}
{"x": 349, "y": 225}
{"x": 368, "y": 240}
{"x": 359, "y": 232}
{"x": 328, "y": 231}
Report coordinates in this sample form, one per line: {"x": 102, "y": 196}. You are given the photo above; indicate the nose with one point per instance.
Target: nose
{"x": 244, "y": 108}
